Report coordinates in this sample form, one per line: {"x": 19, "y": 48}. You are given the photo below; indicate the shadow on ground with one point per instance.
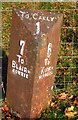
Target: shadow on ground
{"x": 4, "y": 72}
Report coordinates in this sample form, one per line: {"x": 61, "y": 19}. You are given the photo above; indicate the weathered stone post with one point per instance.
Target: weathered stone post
{"x": 34, "y": 46}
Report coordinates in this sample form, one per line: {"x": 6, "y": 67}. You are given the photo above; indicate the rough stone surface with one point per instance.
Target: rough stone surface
{"x": 34, "y": 46}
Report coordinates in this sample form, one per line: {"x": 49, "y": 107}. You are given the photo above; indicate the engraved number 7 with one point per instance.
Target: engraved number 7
{"x": 22, "y": 44}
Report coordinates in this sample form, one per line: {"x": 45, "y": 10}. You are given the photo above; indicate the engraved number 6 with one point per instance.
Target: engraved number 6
{"x": 49, "y": 50}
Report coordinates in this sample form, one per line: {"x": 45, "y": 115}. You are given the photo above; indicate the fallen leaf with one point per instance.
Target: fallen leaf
{"x": 70, "y": 108}
{"x": 75, "y": 102}
{"x": 52, "y": 104}
{"x": 69, "y": 112}
{"x": 3, "y": 109}
{"x": 63, "y": 96}
{"x": 71, "y": 97}
{"x": 6, "y": 108}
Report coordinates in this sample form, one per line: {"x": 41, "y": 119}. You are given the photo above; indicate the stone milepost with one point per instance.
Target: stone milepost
{"x": 34, "y": 46}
